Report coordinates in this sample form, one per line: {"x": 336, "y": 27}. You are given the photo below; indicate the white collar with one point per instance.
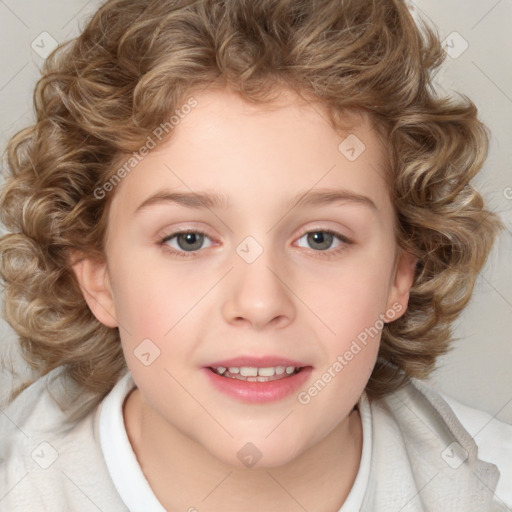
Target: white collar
{"x": 130, "y": 482}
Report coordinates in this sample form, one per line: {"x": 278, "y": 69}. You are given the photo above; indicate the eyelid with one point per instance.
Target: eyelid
{"x": 170, "y": 232}
{"x": 324, "y": 229}
{"x": 163, "y": 237}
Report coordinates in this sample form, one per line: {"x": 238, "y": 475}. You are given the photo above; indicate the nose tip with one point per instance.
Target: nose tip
{"x": 261, "y": 320}
{"x": 257, "y": 296}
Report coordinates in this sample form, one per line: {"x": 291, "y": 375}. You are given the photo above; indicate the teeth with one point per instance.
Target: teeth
{"x": 253, "y": 374}
{"x": 247, "y": 371}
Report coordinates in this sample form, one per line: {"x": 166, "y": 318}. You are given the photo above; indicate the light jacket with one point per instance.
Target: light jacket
{"x": 422, "y": 458}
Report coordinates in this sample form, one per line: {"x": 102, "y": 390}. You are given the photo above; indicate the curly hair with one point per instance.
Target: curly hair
{"x": 136, "y": 61}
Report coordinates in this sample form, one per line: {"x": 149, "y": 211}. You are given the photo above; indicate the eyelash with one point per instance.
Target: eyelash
{"x": 327, "y": 253}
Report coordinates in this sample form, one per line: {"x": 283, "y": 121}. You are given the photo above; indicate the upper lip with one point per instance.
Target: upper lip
{"x": 256, "y": 362}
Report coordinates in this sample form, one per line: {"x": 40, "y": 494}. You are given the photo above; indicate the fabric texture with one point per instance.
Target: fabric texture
{"x": 134, "y": 489}
{"x": 421, "y": 457}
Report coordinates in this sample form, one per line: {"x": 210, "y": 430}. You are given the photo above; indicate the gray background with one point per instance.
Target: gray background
{"x": 478, "y": 35}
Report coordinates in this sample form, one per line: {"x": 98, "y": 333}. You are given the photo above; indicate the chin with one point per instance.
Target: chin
{"x": 258, "y": 454}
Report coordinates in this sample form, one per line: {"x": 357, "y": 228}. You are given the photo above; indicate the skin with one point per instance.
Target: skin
{"x": 294, "y": 300}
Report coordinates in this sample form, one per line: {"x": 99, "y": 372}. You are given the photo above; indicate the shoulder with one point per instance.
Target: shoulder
{"x": 494, "y": 441}
{"x": 440, "y": 435}
{"x": 45, "y": 460}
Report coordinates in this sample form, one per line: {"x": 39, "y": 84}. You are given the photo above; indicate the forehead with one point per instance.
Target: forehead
{"x": 261, "y": 151}
{"x": 289, "y": 119}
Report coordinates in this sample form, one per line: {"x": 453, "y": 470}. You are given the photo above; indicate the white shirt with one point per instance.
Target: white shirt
{"x": 134, "y": 489}
{"x": 494, "y": 442}
{"x": 407, "y": 463}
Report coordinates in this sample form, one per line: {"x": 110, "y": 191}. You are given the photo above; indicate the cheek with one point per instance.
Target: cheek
{"x": 159, "y": 308}
{"x": 152, "y": 296}
{"x": 350, "y": 296}
{"x": 353, "y": 311}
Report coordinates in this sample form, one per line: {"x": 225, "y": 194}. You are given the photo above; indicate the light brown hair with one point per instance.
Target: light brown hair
{"x": 137, "y": 61}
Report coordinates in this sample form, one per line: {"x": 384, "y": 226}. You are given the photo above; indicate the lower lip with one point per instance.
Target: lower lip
{"x": 259, "y": 392}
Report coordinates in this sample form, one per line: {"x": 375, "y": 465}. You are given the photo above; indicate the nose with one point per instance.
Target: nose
{"x": 258, "y": 295}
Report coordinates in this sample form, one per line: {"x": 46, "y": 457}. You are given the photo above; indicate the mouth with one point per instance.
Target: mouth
{"x": 258, "y": 379}
{"x": 254, "y": 374}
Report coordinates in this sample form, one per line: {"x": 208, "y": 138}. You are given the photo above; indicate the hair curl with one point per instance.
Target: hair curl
{"x": 102, "y": 93}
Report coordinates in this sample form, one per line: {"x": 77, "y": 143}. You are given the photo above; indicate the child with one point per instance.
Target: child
{"x": 239, "y": 234}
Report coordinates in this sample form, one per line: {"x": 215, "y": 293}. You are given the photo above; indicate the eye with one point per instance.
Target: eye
{"x": 182, "y": 242}
{"x": 322, "y": 239}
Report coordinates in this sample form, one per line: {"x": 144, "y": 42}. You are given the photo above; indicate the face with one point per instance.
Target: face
{"x": 290, "y": 262}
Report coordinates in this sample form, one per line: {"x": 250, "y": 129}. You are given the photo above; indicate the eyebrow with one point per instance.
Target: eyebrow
{"x": 207, "y": 200}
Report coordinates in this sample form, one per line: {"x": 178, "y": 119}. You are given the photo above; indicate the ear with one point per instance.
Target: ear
{"x": 93, "y": 278}
{"x": 402, "y": 279}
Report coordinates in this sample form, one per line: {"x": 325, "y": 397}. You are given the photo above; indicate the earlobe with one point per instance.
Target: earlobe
{"x": 403, "y": 279}
{"x": 93, "y": 278}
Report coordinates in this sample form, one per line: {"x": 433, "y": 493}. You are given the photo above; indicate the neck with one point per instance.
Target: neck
{"x": 184, "y": 476}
